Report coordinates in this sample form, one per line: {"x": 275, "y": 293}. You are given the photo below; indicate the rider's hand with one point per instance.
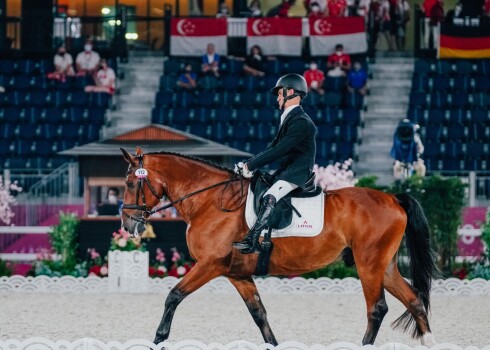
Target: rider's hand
{"x": 238, "y": 168}
{"x": 242, "y": 169}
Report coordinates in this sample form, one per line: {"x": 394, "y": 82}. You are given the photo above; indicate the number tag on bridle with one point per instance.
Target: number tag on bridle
{"x": 141, "y": 173}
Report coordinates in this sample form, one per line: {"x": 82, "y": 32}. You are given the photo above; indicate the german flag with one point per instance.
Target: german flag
{"x": 471, "y": 42}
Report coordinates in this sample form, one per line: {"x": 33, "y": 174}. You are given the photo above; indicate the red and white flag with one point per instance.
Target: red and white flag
{"x": 325, "y": 33}
{"x": 275, "y": 36}
{"x": 190, "y": 36}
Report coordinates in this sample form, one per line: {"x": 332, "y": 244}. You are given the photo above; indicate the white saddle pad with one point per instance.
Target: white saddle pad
{"x": 308, "y": 225}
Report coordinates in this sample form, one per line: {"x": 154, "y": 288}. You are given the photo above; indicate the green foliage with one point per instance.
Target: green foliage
{"x": 485, "y": 234}
{"x": 55, "y": 268}
{"x": 369, "y": 182}
{"x": 5, "y": 268}
{"x": 482, "y": 268}
{"x": 63, "y": 240}
{"x": 443, "y": 200}
{"x": 335, "y": 270}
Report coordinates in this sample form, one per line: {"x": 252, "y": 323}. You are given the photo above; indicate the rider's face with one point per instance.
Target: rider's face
{"x": 280, "y": 97}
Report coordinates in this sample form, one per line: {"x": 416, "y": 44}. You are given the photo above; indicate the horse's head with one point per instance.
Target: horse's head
{"x": 143, "y": 192}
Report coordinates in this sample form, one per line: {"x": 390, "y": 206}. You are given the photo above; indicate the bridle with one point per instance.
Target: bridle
{"x": 146, "y": 212}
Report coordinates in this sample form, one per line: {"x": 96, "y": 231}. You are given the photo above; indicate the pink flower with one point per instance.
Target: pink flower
{"x": 175, "y": 256}
{"x": 181, "y": 270}
{"x": 122, "y": 242}
{"x": 93, "y": 254}
{"x": 160, "y": 256}
{"x": 104, "y": 270}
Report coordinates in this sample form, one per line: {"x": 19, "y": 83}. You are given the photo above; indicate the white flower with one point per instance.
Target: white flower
{"x": 122, "y": 242}
{"x": 104, "y": 270}
{"x": 163, "y": 269}
{"x": 181, "y": 270}
{"x": 335, "y": 176}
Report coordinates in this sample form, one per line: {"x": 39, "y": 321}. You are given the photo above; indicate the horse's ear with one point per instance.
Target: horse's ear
{"x": 129, "y": 158}
{"x": 139, "y": 151}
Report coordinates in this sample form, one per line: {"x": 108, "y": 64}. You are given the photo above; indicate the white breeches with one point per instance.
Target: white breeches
{"x": 280, "y": 189}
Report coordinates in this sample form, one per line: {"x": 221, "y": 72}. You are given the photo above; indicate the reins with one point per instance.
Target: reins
{"x": 146, "y": 211}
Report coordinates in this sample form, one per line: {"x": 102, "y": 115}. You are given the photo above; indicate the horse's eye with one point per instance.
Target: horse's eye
{"x": 130, "y": 185}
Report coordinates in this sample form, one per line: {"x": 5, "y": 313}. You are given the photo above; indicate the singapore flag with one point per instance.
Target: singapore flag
{"x": 275, "y": 36}
{"x": 190, "y": 36}
{"x": 325, "y": 33}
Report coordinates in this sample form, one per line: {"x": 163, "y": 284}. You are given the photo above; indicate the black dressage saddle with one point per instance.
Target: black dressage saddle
{"x": 283, "y": 213}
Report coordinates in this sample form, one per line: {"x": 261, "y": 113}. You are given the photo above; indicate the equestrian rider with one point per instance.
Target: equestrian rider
{"x": 293, "y": 148}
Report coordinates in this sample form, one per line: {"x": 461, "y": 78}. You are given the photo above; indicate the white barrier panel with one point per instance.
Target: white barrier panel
{"x": 269, "y": 285}
{"x": 141, "y": 344}
{"x": 128, "y": 271}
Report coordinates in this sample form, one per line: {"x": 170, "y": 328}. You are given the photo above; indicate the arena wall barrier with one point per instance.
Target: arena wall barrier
{"x": 270, "y": 285}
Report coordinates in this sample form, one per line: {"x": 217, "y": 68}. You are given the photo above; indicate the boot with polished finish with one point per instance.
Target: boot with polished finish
{"x": 250, "y": 243}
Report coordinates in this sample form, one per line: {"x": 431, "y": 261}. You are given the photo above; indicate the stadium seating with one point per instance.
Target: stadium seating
{"x": 450, "y": 100}
{"x": 40, "y": 117}
{"x": 238, "y": 110}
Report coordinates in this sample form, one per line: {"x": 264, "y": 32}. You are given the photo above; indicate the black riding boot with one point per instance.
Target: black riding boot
{"x": 250, "y": 243}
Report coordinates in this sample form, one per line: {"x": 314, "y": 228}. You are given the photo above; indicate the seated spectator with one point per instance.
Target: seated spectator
{"x": 338, "y": 62}
{"x": 254, "y": 62}
{"x": 223, "y": 11}
{"x": 63, "y": 65}
{"x": 210, "y": 61}
{"x": 357, "y": 79}
{"x": 407, "y": 149}
{"x": 337, "y": 8}
{"x": 254, "y": 9}
{"x": 315, "y": 11}
{"x": 319, "y": 6}
{"x": 314, "y": 78}
{"x": 281, "y": 10}
{"x": 88, "y": 60}
{"x": 105, "y": 79}
{"x": 187, "y": 80}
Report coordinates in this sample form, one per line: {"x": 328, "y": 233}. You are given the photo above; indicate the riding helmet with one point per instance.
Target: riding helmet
{"x": 291, "y": 81}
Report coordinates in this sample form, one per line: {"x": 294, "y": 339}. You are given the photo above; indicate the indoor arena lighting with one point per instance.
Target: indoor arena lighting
{"x": 105, "y": 10}
{"x": 131, "y": 36}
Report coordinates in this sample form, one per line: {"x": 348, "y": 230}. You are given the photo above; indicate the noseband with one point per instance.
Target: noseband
{"x": 146, "y": 213}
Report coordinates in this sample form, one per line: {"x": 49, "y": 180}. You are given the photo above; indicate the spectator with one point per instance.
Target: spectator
{"x": 388, "y": 24}
{"x": 374, "y": 25}
{"x": 435, "y": 20}
{"x": 314, "y": 78}
{"x": 223, "y": 11}
{"x": 210, "y": 61}
{"x": 338, "y": 62}
{"x": 88, "y": 60}
{"x": 113, "y": 195}
{"x": 281, "y": 10}
{"x": 363, "y": 9}
{"x": 337, "y": 8}
{"x": 315, "y": 11}
{"x": 357, "y": 79}
{"x": 254, "y": 62}
{"x": 187, "y": 80}
{"x": 105, "y": 79}
{"x": 486, "y": 8}
{"x": 254, "y": 9}
{"x": 63, "y": 65}
{"x": 403, "y": 17}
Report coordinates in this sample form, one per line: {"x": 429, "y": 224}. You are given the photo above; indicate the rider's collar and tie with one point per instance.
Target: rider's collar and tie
{"x": 286, "y": 112}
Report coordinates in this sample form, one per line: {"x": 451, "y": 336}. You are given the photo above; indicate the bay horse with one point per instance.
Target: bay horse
{"x": 360, "y": 224}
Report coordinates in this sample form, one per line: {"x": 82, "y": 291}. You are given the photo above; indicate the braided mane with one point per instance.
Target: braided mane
{"x": 197, "y": 159}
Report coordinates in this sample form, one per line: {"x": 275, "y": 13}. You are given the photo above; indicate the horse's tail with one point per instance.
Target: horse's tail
{"x": 422, "y": 259}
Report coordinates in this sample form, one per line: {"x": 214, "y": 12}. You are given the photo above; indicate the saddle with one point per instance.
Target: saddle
{"x": 283, "y": 213}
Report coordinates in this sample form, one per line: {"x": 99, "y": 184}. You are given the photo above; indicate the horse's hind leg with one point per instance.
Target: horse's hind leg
{"x": 396, "y": 285}
{"x": 196, "y": 278}
{"x": 248, "y": 291}
{"x": 372, "y": 286}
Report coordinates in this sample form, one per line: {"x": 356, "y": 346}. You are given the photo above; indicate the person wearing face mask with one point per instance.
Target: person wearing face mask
{"x": 314, "y": 11}
{"x": 187, "y": 80}
{"x": 254, "y": 9}
{"x": 88, "y": 60}
{"x": 293, "y": 148}
{"x": 314, "y": 78}
{"x": 223, "y": 11}
{"x": 105, "y": 79}
{"x": 63, "y": 64}
{"x": 357, "y": 79}
{"x": 339, "y": 62}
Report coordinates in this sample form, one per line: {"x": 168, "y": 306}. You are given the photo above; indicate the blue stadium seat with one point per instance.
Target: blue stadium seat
{"x": 327, "y": 133}
{"x": 75, "y": 115}
{"x": 432, "y": 149}
{"x": 206, "y": 99}
{"x": 443, "y": 67}
{"x": 249, "y": 99}
{"x": 296, "y": 66}
{"x": 459, "y": 99}
{"x": 25, "y": 67}
{"x": 439, "y": 100}
{"x": 332, "y": 99}
{"x": 345, "y": 150}
{"x": 159, "y": 115}
{"x": 433, "y": 132}
{"x": 453, "y": 164}
{"x": 69, "y": 132}
{"x": 479, "y": 115}
{"x": 420, "y": 83}
{"x": 257, "y": 146}
{"x": 483, "y": 67}
{"x": 184, "y": 99}
{"x": 47, "y": 131}
{"x": 463, "y": 67}
{"x": 168, "y": 82}
{"x": 207, "y": 82}
{"x": 441, "y": 83}
{"x": 334, "y": 84}
{"x": 456, "y": 132}
{"x": 25, "y": 131}
{"x": 45, "y": 66}
{"x": 312, "y": 100}
{"x": 95, "y": 116}
{"x": 251, "y": 83}
{"x": 475, "y": 149}
{"x": 422, "y": 67}
{"x": 480, "y": 99}
{"x": 266, "y": 115}
{"x": 348, "y": 133}
{"x": 460, "y": 83}
{"x": 23, "y": 147}
{"x": 44, "y": 147}
{"x": 265, "y": 131}
{"x": 15, "y": 98}
{"x": 234, "y": 67}
{"x": 79, "y": 83}
{"x": 459, "y": 116}
{"x": 40, "y": 83}
{"x": 230, "y": 82}
{"x": 99, "y": 99}
{"x": 270, "y": 81}
{"x": 480, "y": 83}
{"x": 477, "y": 132}
{"x": 273, "y": 67}
{"x": 332, "y": 115}
{"x": 172, "y": 66}
{"x": 351, "y": 116}
{"x": 245, "y": 115}
{"x": 222, "y": 114}
{"x": 7, "y": 67}
{"x": 353, "y": 100}
{"x": 89, "y": 133}
{"x": 418, "y": 115}
{"x": 164, "y": 99}
{"x": 20, "y": 82}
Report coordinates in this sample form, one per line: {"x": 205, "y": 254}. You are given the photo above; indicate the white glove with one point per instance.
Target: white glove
{"x": 241, "y": 169}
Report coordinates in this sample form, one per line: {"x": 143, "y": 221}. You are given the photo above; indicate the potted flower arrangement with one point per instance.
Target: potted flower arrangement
{"x": 159, "y": 268}
{"x": 177, "y": 267}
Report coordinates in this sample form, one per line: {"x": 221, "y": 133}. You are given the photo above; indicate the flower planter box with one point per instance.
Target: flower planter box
{"x": 128, "y": 271}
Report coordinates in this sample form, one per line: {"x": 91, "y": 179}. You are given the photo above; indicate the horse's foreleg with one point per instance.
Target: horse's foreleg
{"x": 199, "y": 275}
{"x": 248, "y": 291}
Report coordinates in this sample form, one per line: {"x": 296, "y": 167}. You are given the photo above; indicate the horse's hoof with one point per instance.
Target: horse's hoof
{"x": 428, "y": 340}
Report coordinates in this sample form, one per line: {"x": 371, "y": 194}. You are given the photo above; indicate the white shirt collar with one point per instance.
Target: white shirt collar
{"x": 286, "y": 112}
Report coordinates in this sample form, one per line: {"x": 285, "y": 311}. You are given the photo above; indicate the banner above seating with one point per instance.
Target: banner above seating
{"x": 325, "y": 33}
{"x": 190, "y": 36}
{"x": 275, "y": 36}
{"x": 460, "y": 41}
